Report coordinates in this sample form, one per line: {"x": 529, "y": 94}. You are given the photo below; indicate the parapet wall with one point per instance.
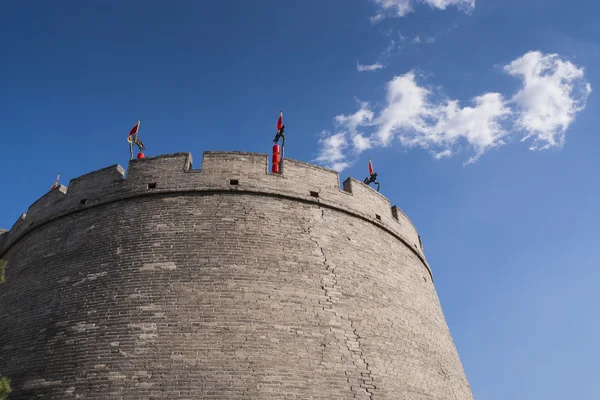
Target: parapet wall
{"x": 235, "y": 172}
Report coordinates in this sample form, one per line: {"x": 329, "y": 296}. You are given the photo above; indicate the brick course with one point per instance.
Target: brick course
{"x": 198, "y": 288}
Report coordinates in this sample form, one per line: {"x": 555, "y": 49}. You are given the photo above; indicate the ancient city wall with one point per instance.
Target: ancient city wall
{"x": 226, "y": 282}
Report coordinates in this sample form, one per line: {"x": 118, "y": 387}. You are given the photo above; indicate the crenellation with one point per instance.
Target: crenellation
{"x": 372, "y": 203}
{"x": 407, "y": 226}
{"x": 87, "y": 184}
{"x": 3, "y": 236}
{"x": 229, "y": 164}
{"x": 47, "y": 202}
{"x": 395, "y": 213}
{"x": 323, "y": 178}
{"x": 164, "y": 168}
{"x": 370, "y": 200}
{"x": 250, "y": 171}
{"x": 18, "y": 223}
{"x": 13, "y": 232}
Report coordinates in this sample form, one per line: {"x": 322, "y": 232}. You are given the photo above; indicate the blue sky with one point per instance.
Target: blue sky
{"x": 439, "y": 93}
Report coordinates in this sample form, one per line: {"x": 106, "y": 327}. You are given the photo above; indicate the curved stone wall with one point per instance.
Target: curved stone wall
{"x": 183, "y": 284}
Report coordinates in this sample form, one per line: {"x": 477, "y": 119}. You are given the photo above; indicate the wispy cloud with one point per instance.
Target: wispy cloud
{"x": 373, "y": 67}
{"x": 442, "y": 154}
{"x": 376, "y": 18}
{"x": 399, "y": 8}
{"x": 388, "y": 50}
{"x": 552, "y": 93}
{"x": 418, "y": 40}
{"x": 384, "y": 55}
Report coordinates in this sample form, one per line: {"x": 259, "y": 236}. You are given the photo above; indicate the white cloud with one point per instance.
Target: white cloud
{"x": 479, "y": 125}
{"x": 331, "y": 153}
{"x": 430, "y": 40}
{"x": 333, "y": 146}
{"x": 400, "y": 8}
{"x": 361, "y": 143}
{"x": 465, "y": 5}
{"x": 371, "y": 67}
{"x": 360, "y": 118}
{"x": 417, "y": 39}
{"x": 442, "y": 154}
{"x": 416, "y": 120}
{"x": 406, "y": 109}
{"x": 376, "y": 18}
{"x": 553, "y": 92}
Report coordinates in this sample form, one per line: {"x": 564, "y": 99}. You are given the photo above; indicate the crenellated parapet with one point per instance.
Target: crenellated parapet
{"x": 235, "y": 172}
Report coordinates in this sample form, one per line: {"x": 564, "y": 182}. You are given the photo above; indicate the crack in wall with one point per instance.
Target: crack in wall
{"x": 366, "y": 378}
{"x": 342, "y": 327}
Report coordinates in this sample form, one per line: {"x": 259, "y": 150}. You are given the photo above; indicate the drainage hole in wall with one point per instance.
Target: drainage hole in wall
{"x": 152, "y": 185}
{"x": 83, "y": 201}
{"x": 378, "y": 216}
{"x": 314, "y": 194}
{"x": 234, "y": 182}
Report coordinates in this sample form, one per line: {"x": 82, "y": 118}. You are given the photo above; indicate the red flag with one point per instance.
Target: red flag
{"x": 370, "y": 167}
{"x": 55, "y": 183}
{"x": 280, "y": 121}
{"x": 133, "y": 131}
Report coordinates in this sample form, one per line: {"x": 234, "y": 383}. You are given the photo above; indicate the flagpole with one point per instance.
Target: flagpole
{"x": 282, "y": 152}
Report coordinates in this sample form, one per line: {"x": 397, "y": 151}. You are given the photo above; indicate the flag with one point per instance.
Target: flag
{"x": 55, "y": 183}
{"x": 133, "y": 131}
{"x": 370, "y": 167}
{"x": 280, "y": 121}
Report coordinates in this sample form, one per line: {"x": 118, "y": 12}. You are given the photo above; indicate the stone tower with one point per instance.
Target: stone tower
{"x": 226, "y": 282}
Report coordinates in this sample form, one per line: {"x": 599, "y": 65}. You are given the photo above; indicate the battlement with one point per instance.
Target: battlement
{"x": 235, "y": 172}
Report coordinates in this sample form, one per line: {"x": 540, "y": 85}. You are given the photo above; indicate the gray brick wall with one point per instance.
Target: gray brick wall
{"x": 202, "y": 289}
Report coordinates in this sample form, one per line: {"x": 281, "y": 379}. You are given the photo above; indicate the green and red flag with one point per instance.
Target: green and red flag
{"x": 55, "y": 183}
{"x": 133, "y": 131}
{"x": 280, "y": 121}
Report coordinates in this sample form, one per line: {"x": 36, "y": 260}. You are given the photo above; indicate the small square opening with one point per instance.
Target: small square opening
{"x": 152, "y": 185}
{"x": 314, "y": 194}
{"x": 83, "y": 201}
{"x": 234, "y": 182}
{"x": 378, "y": 217}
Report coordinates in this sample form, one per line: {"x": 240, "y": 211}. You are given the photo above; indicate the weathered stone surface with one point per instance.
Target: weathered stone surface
{"x": 200, "y": 288}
